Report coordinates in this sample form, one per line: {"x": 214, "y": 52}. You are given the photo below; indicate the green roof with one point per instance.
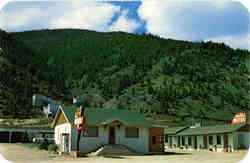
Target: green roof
{"x": 97, "y": 116}
{"x": 174, "y": 130}
{"x": 216, "y": 129}
{"x": 69, "y": 112}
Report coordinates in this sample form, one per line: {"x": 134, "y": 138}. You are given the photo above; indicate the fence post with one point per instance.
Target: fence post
{"x": 10, "y": 134}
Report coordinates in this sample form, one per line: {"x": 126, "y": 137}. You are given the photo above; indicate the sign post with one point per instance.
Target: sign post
{"x": 80, "y": 120}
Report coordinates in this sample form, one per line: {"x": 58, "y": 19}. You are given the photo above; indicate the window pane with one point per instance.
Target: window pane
{"x": 218, "y": 137}
{"x": 91, "y": 132}
{"x": 189, "y": 141}
{"x": 153, "y": 140}
{"x": 166, "y": 138}
{"x": 211, "y": 140}
{"x": 132, "y": 132}
{"x": 183, "y": 140}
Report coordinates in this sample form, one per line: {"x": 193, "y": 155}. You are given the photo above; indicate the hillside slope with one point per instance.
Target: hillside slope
{"x": 18, "y": 77}
{"x": 143, "y": 72}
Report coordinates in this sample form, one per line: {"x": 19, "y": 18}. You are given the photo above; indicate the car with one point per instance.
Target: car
{"x": 39, "y": 139}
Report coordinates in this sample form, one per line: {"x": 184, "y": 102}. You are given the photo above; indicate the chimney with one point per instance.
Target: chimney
{"x": 34, "y": 100}
{"x": 49, "y": 106}
{"x": 74, "y": 100}
{"x": 78, "y": 100}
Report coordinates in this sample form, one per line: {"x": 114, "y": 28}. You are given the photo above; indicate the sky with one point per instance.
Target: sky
{"x": 225, "y": 21}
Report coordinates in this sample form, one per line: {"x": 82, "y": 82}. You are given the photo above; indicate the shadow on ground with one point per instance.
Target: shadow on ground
{"x": 124, "y": 156}
{"x": 115, "y": 157}
{"x": 168, "y": 153}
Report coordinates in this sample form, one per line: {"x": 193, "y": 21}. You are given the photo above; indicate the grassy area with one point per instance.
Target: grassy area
{"x": 175, "y": 121}
{"x": 32, "y": 122}
{"x": 31, "y": 145}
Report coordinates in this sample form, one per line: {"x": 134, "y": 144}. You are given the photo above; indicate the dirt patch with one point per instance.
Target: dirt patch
{"x": 18, "y": 153}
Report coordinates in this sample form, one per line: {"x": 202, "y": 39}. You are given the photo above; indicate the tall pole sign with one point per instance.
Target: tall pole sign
{"x": 80, "y": 120}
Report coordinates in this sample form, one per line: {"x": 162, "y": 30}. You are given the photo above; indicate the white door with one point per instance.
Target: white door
{"x": 65, "y": 142}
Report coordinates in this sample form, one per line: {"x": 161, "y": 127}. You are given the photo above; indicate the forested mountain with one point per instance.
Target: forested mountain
{"x": 125, "y": 71}
{"x": 18, "y": 77}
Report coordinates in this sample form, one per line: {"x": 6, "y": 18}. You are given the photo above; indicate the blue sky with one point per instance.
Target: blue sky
{"x": 217, "y": 20}
{"x": 132, "y": 7}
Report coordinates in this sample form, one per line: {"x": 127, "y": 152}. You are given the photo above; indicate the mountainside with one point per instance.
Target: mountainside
{"x": 19, "y": 78}
{"x": 126, "y": 71}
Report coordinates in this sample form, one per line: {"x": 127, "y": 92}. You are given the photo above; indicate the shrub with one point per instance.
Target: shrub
{"x": 32, "y": 145}
{"x": 44, "y": 144}
{"x": 52, "y": 147}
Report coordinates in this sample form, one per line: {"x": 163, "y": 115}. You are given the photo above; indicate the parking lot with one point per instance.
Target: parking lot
{"x": 18, "y": 153}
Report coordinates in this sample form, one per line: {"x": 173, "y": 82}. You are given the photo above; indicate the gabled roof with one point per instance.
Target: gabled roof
{"x": 40, "y": 100}
{"x": 97, "y": 116}
{"x": 215, "y": 129}
{"x": 174, "y": 130}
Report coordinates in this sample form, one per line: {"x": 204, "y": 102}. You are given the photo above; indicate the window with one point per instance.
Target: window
{"x": 153, "y": 140}
{"x": 210, "y": 139}
{"x": 91, "y": 132}
{"x": 218, "y": 138}
{"x": 166, "y": 138}
{"x": 57, "y": 134}
{"x": 159, "y": 139}
{"x": 183, "y": 140}
{"x": 132, "y": 132}
{"x": 189, "y": 141}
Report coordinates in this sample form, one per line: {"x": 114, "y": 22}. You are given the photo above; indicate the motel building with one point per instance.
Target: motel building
{"x": 107, "y": 127}
{"x": 220, "y": 138}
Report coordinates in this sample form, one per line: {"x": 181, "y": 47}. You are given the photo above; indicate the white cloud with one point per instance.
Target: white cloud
{"x": 197, "y": 20}
{"x": 19, "y": 19}
{"x": 124, "y": 23}
{"x": 93, "y": 15}
{"x": 215, "y": 20}
{"x": 87, "y": 15}
{"x": 246, "y": 3}
{"x": 237, "y": 41}
{"x": 3, "y": 3}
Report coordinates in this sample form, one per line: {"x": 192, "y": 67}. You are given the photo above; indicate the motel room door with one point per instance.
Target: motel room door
{"x": 225, "y": 140}
{"x": 178, "y": 141}
{"x": 156, "y": 139}
{"x": 111, "y": 135}
{"x": 195, "y": 142}
{"x": 170, "y": 141}
{"x": 205, "y": 141}
{"x": 65, "y": 142}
